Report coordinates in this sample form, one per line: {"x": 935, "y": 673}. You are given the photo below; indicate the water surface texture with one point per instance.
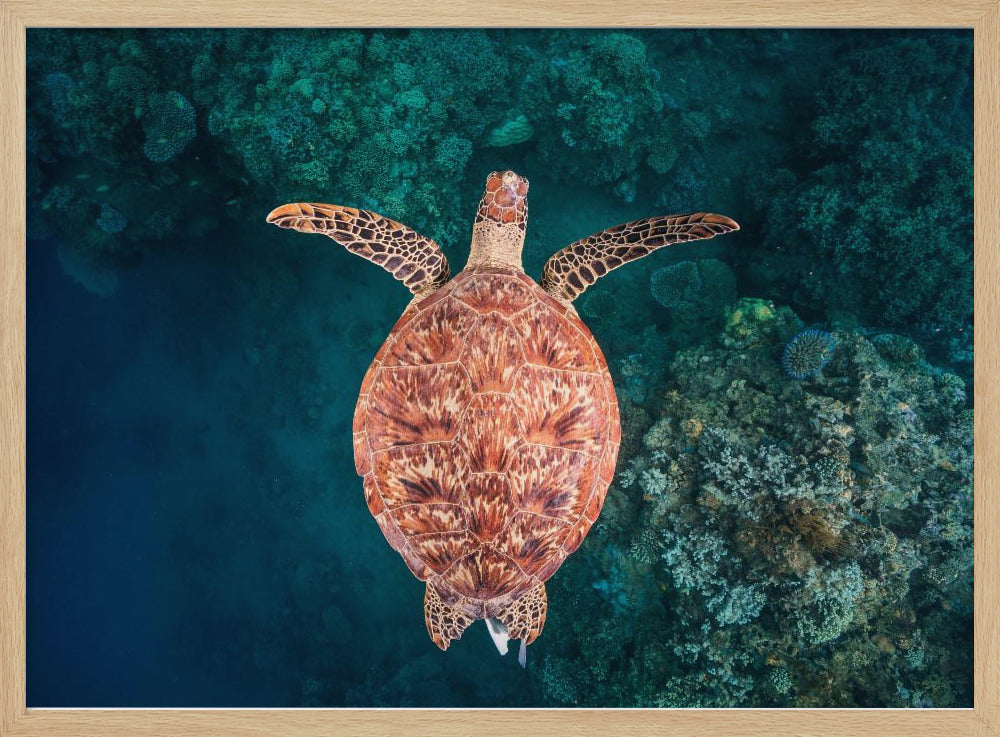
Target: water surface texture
{"x": 791, "y": 520}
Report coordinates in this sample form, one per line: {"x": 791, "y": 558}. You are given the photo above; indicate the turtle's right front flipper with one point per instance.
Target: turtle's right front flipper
{"x": 570, "y": 271}
{"x": 411, "y": 258}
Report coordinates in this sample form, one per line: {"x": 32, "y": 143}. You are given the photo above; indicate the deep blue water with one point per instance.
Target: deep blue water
{"x": 126, "y": 436}
{"x": 196, "y": 531}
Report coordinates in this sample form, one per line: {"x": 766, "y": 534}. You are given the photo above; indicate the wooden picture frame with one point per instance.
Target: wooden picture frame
{"x": 981, "y": 720}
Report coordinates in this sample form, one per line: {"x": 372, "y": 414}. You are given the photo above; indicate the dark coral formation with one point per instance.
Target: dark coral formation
{"x": 693, "y": 288}
{"x": 875, "y": 217}
{"x": 169, "y": 126}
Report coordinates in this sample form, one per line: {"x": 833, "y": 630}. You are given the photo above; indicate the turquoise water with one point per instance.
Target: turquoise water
{"x": 197, "y": 535}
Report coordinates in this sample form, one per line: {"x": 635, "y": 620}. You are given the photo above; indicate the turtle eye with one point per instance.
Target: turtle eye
{"x": 493, "y": 182}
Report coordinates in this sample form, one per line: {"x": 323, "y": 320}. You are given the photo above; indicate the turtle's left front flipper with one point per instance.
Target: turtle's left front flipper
{"x": 570, "y": 271}
{"x": 411, "y": 258}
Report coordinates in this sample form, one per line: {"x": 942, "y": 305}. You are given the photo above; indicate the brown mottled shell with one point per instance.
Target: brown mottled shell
{"x": 487, "y": 432}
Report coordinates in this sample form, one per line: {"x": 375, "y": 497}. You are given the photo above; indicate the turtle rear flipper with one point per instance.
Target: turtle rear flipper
{"x": 444, "y": 622}
{"x": 524, "y": 617}
{"x": 413, "y": 259}
{"x": 574, "y": 268}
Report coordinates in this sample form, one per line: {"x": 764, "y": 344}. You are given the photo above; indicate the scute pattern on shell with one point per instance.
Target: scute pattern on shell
{"x": 486, "y": 432}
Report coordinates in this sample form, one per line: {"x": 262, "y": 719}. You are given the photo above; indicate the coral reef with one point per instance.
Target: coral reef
{"x": 391, "y": 120}
{"x": 111, "y": 221}
{"x": 511, "y": 132}
{"x": 771, "y": 542}
{"x": 695, "y": 288}
{"x": 877, "y": 204}
{"x": 169, "y": 125}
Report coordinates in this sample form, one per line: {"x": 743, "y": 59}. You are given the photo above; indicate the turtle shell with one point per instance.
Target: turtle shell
{"x": 487, "y": 432}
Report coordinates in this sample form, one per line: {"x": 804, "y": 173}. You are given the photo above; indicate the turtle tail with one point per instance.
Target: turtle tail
{"x": 521, "y": 619}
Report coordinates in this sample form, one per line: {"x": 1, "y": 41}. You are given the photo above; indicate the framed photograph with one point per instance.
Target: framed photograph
{"x": 576, "y": 370}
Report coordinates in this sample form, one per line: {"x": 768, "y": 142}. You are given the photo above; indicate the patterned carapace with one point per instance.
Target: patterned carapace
{"x": 487, "y": 429}
{"x": 487, "y": 432}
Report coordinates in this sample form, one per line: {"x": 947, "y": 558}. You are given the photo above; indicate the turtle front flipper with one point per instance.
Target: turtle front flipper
{"x": 570, "y": 271}
{"x": 411, "y": 258}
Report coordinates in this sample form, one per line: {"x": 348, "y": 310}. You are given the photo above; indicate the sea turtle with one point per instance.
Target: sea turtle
{"x": 487, "y": 428}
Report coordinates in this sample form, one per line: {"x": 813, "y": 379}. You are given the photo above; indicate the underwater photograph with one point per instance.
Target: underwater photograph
{"x": 666, "y": 399}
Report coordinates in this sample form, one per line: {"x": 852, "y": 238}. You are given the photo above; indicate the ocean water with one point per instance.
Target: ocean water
{"x": 194, "y": 517}
{"x": 197, "y": 535}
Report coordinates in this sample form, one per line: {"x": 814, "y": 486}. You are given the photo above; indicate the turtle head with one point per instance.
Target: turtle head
{"x": 505, "y": 199}
{"x": 498, "y": 232}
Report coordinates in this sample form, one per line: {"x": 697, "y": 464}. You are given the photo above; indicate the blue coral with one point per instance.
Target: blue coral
{"x": 60, "y": 88}
{"x": 111, "y": 221}
{"x": 807, "y": 353}
{"x": 170, "y": 126}
{"x": 699, "y": 288}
